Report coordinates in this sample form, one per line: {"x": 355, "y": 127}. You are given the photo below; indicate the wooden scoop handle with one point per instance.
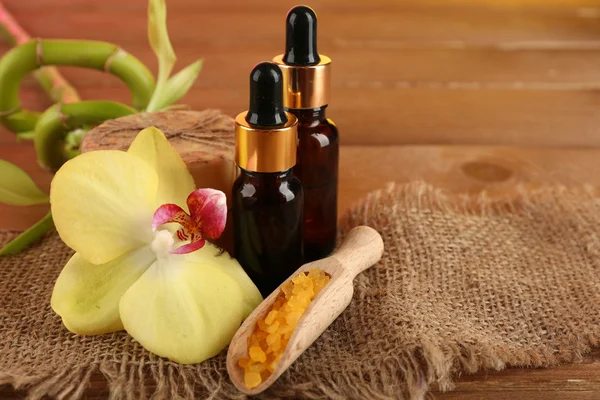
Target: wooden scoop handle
{"x": 362, "y": 247}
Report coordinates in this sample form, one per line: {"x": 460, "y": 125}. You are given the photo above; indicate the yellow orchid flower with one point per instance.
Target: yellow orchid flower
{"x": 179, "y": 296}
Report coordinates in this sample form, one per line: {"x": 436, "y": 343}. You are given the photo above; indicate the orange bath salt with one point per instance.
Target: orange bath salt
{"x": 257, "y": 355}
{"x": 271, "y": 317}
{"x": 276, "y": 346}
{"x": 272, "y": 338}
{"x": 252, "y": 379}
{"x": 293, "y": 317}
{"x": 272, "y": 333}
{"x": 244, "y": 362}
{"x": 273, "y": 328}
{"x": 257, "y": 367}
{"x": 287, "y": 288}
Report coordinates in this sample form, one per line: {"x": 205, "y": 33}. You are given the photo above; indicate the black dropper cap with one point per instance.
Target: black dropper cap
{"x": 266, "y": 96}
{"x": 301, "y": 37}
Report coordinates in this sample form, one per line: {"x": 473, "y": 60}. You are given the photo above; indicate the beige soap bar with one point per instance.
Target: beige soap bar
{"x": 204, "y": 139}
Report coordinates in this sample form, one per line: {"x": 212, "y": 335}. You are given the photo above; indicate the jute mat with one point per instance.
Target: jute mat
{"x": 465, "y": 283}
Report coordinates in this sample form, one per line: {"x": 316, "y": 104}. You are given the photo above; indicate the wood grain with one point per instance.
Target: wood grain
{"x": 506, "y": 73}
{"x": 438, "y": 25}
{"x": 552, "y": 118}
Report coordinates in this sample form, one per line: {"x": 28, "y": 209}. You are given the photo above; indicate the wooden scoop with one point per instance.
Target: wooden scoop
{"x": 362, "y": 248}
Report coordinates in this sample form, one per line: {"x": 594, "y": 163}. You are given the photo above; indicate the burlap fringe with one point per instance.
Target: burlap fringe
{"x": 408, "y": 374}
{"x": 170, "y": 381}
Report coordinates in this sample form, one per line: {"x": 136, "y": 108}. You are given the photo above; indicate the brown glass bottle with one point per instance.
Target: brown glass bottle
{"x": 267, "y": 216}
{"x": 307, "y": 84}
{"x": 267, "y": 197}
{"x": 317, "y": 169}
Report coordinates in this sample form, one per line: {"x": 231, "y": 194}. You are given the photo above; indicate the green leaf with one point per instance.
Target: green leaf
{"x": 28, "y": 135}
{"x": 161, "y": 45}
{"x": 32, "y": 234}
{"x": 179, "y": 84}
{"x": 17, "y": 188}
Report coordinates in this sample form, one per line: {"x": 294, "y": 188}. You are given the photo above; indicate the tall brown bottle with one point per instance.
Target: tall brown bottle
{"x": 267, "y": 197}
{"x": 306, "y": 76}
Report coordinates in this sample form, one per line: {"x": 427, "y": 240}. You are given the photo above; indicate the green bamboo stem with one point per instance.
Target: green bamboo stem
{"x": 57, "y": 87}
{"x": 12, "y": 28}
{"x": 49, "y": 78}
{"x": 21, "y": 60}
{"x": 54, "y": 124}
{"x": 32, "y": 234}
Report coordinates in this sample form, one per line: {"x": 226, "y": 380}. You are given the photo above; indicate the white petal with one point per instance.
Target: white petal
{"x": 187, "y": 311}
{"x": 211, "y": 254}
{"x": 103, "y": 204}
{"x": 175, "y": 181}
{"x": 87, "y": 296}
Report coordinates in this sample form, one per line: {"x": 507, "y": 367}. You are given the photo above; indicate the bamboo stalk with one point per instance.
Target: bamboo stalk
{"x": 54, "y": 124}
{"x": 12, "y": 27}
{"x": 52, "y": 81}
{"x": 87, "y": 54}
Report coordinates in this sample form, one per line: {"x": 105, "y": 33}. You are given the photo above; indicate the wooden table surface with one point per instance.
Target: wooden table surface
{"x": 464, "y": 94}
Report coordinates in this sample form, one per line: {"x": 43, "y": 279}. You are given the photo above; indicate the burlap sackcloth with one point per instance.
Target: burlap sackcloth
{"x": 464, "y": 284}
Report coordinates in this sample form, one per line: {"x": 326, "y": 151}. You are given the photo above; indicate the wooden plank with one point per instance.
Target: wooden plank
{"x": 426, "y": 115}
{"x": 462, "y": 169}
{"x": 450, "y": 91}
{"x": 480, "y": 26}
{"x": 569, "y": 381}
{"x": 537, "y": 393}
{"x": 228, "y": 67}
{"x": 244, "y": 5}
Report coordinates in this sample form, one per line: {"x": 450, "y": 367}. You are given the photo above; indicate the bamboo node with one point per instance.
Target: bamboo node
{"x": 111, "y": 57}
{"x": 7, "y": 113}
{"x": 64, "y": 120}
{"x": 39, "y": 53}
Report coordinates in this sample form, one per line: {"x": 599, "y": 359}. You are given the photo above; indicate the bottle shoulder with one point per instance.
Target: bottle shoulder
{"x": 332, "y": 127}
{"x": 322, "y": 135}
{"x": 267, "y": 186}
{"x": 294, "y": 184}
{"x": 314, "y": 122}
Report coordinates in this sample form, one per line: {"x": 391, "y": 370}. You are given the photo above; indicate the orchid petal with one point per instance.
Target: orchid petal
{"x": 229, "y": 265}
{"x": 169, "y": 213}
{"x": 103, "y": 203}
{"x": 87, "y": 296}
{"x": 196, "y": 244}
{"x": 209, "y": 207}
{"x": 186, "y": 311}
{"x": 175, "y": 181}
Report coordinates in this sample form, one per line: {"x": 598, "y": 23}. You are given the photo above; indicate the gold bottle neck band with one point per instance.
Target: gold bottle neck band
{"x": 305, "y": 86}
{"x": 265, "y": 149}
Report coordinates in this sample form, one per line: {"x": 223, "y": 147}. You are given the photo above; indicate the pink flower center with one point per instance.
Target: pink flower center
{"x": 206, "y": 220}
